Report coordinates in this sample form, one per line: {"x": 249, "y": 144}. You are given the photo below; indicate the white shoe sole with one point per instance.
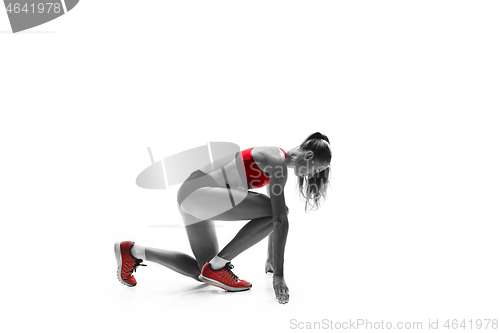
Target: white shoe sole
{"x": 220, "y": 285}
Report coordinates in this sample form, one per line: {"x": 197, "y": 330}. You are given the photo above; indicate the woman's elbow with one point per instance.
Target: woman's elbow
{"x": 281, "y": 221}
{"x": 281, "y": 217}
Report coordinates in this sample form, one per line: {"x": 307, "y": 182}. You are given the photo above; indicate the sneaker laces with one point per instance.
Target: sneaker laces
{"x": 228, "y": 268}
{"x": 137, "y": 263}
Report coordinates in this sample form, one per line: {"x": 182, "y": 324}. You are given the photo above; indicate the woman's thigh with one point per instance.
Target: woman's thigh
{"x": 214, "y": 203}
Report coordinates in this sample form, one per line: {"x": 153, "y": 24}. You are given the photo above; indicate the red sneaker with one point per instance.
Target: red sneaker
{"x": 223, "y": 278}
{"x": 126, "y": 263}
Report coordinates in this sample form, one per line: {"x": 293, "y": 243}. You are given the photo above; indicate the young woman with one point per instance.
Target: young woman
{"x": 221, "y": 191}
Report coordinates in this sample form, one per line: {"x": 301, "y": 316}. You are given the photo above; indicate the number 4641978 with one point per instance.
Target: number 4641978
{"x": 39, "y": 8}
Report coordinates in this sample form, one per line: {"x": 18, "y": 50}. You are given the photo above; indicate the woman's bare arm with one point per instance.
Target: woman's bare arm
{"x": 270, "y": 253}
{"x": 277, "y": 180}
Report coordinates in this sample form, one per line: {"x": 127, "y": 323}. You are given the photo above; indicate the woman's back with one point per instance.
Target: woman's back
{"x": 243, "y": 169}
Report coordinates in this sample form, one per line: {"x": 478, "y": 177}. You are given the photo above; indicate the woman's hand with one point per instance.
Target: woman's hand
{"x": 280, "y": 289}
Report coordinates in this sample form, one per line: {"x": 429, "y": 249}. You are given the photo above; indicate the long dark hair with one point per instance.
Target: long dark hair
{"x": 313, "y": 189}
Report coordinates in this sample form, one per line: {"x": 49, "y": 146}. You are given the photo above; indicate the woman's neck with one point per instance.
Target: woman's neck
{"x": 291, "y": 157}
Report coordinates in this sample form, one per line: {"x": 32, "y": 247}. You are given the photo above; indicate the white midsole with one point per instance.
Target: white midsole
{"x": 220, "y": 285}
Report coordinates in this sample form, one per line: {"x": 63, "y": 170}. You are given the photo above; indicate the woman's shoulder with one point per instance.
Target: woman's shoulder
{"x": 268, "y": 150}
{"x": 269, "y": 155}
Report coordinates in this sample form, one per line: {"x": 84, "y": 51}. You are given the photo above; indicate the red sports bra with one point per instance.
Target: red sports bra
{"x": 255, "y": 176}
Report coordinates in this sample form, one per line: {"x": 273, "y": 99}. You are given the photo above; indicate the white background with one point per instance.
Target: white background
{"x": 407, "y": 92}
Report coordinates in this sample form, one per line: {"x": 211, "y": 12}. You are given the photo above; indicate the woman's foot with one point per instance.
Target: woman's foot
{"x": 223, "y": 278}
{"x": 127, "y": 264}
